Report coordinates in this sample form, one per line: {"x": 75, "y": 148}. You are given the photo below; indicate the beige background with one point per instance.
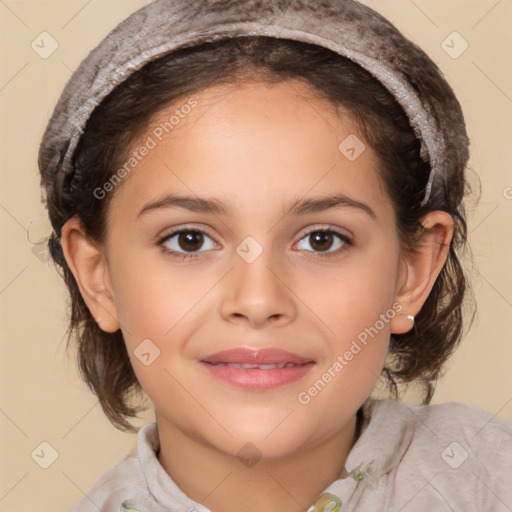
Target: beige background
{"x": 42, "y": 398}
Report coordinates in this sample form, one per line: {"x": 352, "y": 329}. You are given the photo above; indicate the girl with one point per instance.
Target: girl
{"x": 257, "y": 208}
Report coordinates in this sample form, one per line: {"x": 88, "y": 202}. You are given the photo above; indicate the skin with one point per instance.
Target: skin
{"x": 256, "y": 147}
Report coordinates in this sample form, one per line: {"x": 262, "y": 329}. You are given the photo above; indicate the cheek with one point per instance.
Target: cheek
{"x": 350, "y": 298}
{"x": 354, "y": 357}
{"x": 159, "y": 308}
{"x": 152, "y": 296}
{"x": 355, "y": 307}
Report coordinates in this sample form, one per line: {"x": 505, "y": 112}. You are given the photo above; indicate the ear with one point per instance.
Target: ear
{"x": 419, "y": 269}
{"x": 89, "y": 265}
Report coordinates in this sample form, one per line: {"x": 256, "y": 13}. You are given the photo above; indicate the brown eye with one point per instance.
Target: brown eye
{"x": 324, "y": 240}
{"x": 190, "y": 240}
{"x": 185, "y": 241}
{"x": 321, "y": 240}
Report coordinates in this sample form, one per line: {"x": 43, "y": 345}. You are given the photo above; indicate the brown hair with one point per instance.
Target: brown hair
{"x": 416, "y": 356}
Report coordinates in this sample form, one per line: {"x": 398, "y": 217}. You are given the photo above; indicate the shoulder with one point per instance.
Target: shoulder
{"x": 447, "y": 418}
{"x": 125, "y": 480}
{"x": 483, "y": 433}
{"x": 460, "y": 452}
{"x": 112, "y": 488}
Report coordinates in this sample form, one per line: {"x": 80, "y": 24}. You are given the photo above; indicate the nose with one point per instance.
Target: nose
{"x": 259, "y": 293}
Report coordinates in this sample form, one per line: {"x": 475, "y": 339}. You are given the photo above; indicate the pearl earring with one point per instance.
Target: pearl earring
{"x": 410, "y": 317}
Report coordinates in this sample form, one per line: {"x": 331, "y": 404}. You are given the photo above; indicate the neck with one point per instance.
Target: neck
{"x": 224, "y": 483}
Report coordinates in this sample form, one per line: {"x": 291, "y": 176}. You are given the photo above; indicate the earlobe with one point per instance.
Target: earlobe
{"x": 89, "y": 265}
{"x": 422, "y": 267}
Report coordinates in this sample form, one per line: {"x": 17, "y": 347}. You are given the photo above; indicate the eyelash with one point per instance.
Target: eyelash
{"x": 192, "y": 256}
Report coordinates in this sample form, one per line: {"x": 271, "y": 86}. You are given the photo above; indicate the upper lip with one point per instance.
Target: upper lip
{"x": 243, "y": 355}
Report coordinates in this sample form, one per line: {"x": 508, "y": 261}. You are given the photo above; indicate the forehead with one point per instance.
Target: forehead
{"x": 249, "y": 143}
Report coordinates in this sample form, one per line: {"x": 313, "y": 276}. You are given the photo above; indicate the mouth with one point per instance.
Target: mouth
{"x": 249, "y": 366}
{"x": 252, "y": 357}
{"x": 257, "y": 369}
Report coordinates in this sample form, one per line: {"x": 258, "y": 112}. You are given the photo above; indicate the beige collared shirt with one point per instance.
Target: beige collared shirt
{"x": 435, "y": 458}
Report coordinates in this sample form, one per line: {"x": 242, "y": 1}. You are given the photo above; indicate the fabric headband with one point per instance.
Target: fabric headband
{"x": 346, "y": 27}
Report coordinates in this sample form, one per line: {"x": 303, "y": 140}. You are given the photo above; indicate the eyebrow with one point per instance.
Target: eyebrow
{"x": 214, "y": 206}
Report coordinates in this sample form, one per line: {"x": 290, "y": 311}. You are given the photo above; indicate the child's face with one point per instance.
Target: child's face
{"x": 257, "y": 149}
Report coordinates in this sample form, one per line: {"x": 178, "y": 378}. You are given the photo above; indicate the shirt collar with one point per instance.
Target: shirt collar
{"x": 385, "y": 434}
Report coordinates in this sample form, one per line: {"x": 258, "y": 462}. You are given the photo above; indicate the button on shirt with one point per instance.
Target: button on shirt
{"x": 433, "y": 458}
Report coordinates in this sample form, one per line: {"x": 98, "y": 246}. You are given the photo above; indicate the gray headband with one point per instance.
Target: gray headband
{"x": 346, "y": 27}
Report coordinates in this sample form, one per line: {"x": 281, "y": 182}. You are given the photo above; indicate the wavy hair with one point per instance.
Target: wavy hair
{"x": 416, "y": 356}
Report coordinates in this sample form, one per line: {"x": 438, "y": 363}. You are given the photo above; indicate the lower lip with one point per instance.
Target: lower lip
{"x": 253, "y": 378}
